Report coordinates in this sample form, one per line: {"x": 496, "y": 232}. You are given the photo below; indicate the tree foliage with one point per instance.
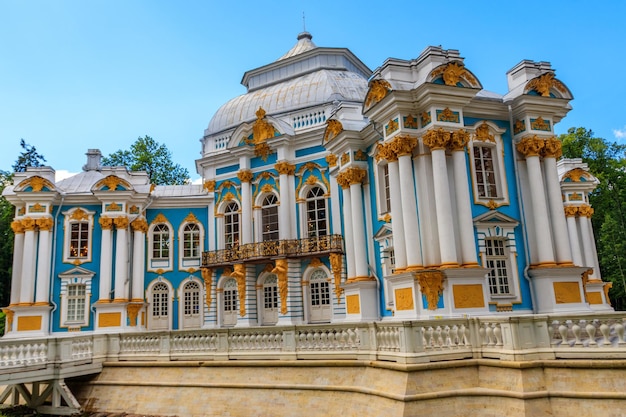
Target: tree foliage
{"x": 148, "y": 155}
{"x": 28, "y": 158}
{"x": 607, "y": 162}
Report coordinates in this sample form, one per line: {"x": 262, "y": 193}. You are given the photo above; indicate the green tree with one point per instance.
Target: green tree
{"x": 148, "y": 155}
{"x": 607, "y": 162}
{"x": 28, "y": 158}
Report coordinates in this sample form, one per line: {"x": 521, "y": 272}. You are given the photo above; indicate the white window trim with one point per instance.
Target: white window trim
{"x": 181, "y": 299}
{"x": 258, "y": 215}
{"x": 185, "y": 263}
{"x": 498, "y": 161}
{"x": 221, "y": 210}
{"x": 303, "y": 208}
{"x": 67, "y": 226}
{"x": 70, "y": 278}
{"x": 159, "y": 263}
{"x": 381, "y": 192}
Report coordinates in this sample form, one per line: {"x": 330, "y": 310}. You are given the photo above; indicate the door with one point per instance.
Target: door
{"x": 270, "y": 300}
{"x": 192, "y": 317}
{"x": 229, "y": 317}
{"x": 159, "y": 317}
{"x": 320, "y": 297}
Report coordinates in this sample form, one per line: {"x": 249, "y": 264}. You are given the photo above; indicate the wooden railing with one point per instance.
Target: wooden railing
{"x": 288, "y": 248}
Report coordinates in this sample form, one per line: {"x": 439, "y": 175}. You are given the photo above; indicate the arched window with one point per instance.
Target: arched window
{"x": 231, "y": 226}
{"x": 485, "y": 171}
{"x": 269, "y": 218}
{"x": 79, "y": 239}
{"x": 316, "y": 213}
{"x": 191, "y": 241}
{"x": 78, "y": 225}
{"x": 486, "y": 153}
{"x": 161, "y": 241}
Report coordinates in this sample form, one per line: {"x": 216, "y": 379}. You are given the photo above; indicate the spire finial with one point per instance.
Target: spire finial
{"x": 303, "y": 22}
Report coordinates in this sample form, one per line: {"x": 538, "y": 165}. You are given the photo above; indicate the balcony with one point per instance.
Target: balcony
{"x": 262, "y": 251}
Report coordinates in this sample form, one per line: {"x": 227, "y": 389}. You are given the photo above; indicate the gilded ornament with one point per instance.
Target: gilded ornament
{"x": 133, "y": 311}
{"x": 311, "y": 180}
{"x": 207, "y": 276}
{"x": 37, "y": 183}
{"x": 391, "y": 127}
{"x": 285, "y": 168}
{"x": 113, "y": 207}
{"x": 209, "y": 185}
{"x": 576, "y": 174}
{"x": 483, "y": 133}
{"x": 447, "y": 115}
{"x": 566, "y": 292}
{"x": 315, "y": 262}
{"x": 333, "y": 128}
{"x": 190, "y": 218}
{"x": 530, "y": 146}
{"x": 544, "y": 83}
{"x": 436, "y": 138}
{"x": 360, "y": 155}
{"x": 431, "y": 285}
{"x": 585, "y": 210}
{"x": 336, "y": 265}
{"x": 16, "y": 226}
{"x": 345, "y": 158}
{"x": 570, "y": 211}
{"x": 519, "y": 126}
{"x": 387, "y": 218}
{"x": 120, "y": 222}
{"x": 239, "y": 273}
{"x": 79, "y": 214}
{"x": 459, "y": 140}
{"x": 45, "y": 224}
{"x": 139, "y": 225}
{"x": 9, "y": 314}
{"x": 384, "y": 151}
{"x": 492, "y": 205}
{"x": 606, "y": 287}
{"x": 552, "y": 148}
{"x": 410, "y": 122}
{"x": 229, "y": 196}
{"x": 267, "y": 188}
{"x": 280, "y": 270}
{"x": 152, "y": 187}
{"x": 425, "y": 118}
{"x": 585, "y": 279}
{"x": 111, "y": 182}
{"x": 245, "y": 175}
{"x": 403, "y": 145}
{"x": 378, "y": 90}
{"x": 22, "y": 210}
{"x": 29, "y": 224}
{"x": 352, "y": 175}
{"x": 575, "y": 197}
{"x": 453, "y": 73}
{"x": 262, "y": 130}
{"x": 539, "y": 124}
{"x": 262, "y": 150}
{"x": 331, "y": 159}
{"x": 160, "y": 218}
{"x": 37, "y": 208}
{"x": 106, "y": 223}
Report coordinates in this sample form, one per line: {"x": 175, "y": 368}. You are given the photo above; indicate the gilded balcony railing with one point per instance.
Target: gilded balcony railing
{"x": 288, "y": 248}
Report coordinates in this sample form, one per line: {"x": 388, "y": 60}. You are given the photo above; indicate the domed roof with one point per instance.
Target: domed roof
{"x": 304, "y": 77}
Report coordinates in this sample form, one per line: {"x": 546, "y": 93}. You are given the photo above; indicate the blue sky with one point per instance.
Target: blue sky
{"x": 85, "y": 74}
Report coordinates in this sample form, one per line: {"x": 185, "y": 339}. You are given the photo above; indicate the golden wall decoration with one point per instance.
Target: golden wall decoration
{"x": 570, "y": 211}
{"x": 133, "y": 209}
{"x": 110, "y": 319}
{"x": 28, "y": 323}
{"x": 336, "y": 265}
{"x": 133, "y": 311}
{"x": 391, "y": 127}
{"x": 378, "y": 89}
{"x": 191, "y": 218}
{"x": 353, "y": 304}
{"x": 9, "y": 314}
{"x": 16, "y": 226}
{"x": 458, "y": 140}
{"x": 566, "y": 292}
{"x": 385, "y": 152}
{"x": 585, "y": 210}
{"x": 594, "y": 298}
{"x": 285, "y": 168}
{"x": 552, "y": 148}
{"x": 575, "y": 197}
{"x": 360, "y": 155}
{"x": 36, "y": 208}
{"x": 244, "y": 175}
{"x": 431, "y": 285}
{"x": 331, "y": 159}
{"x": 139, "y": 225}
{"x": 606, "y": 287}
{"x": 262, "y": 150}
{"x": 207, "y": 276}
{"x": 544, "y": 83}
{"x": 113, "y": 207}
{"x": 29, "y": 224}
{"x": 539, "y": 124}
{"x": 403, "y": 145}
{"x": 404, "y": 299}
{"x": 79, "y": 214}
{"x": 576, "y": 175}
{"x": 436, "y": 138}
{"x": 530, "y": 146}
{"x": 45, "y": 224}
{"x": 262, "y": 129}
{"x": 468, "y": 296}
{"x": 425, "y": 118}
{"x": 37, "y": 183}
{"x": 280, "y": 270}
{"x": 120, "y": 222}
{"x": 160, "y": 218}
{"x": 410, "y": 121}
{"x": 239, "y": 273}
{"x": 209, "y": 185}
{"x": 345, "y": 158}
{"x": 519, "y": 126}
{"x": 483, "y": 133}
{"x": 453, "y": 73}
{"x": 333, "y": 129}
{"x": 447, "y": 115}
{"x": 351, "y": 175}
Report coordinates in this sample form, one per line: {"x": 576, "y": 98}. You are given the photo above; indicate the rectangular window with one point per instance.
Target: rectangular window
{"x": 496, "y": 260}
{"x": 79, "y": 240}
{"x": 387, "y": 195}
{"x": 76, "y": 300}
{"x": 191, "y": 242}
{"x": 270, "y": 223}
{"x": 485, "y": 172}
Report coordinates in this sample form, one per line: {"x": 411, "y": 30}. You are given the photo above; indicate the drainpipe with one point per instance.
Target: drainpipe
{"x": 53, "y": 266}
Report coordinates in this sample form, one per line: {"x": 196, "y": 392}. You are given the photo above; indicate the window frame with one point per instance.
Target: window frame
{"x": 162, "y": 263}
{"x": 231, "y": 220}
{"x": 305, "y": 222}
{"x": 494, "y": 142}
{"x": 383, "y": 202}
{"x": 186, "y": 262}
{"x": 269, "y": 211}
{"x": 78, "y": 215}
{"x": 75, "y": 277}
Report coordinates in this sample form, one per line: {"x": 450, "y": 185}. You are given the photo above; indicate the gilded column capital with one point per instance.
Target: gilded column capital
{"x": 585, "y": 210}
{"x": 352, "y": 175}
{"x": 244, "y": 175}
{"x": 530, "y": 146}
{"x": 436, "y": 139}
{"x": 121, "y": 222}
{"x": 403, "y": 145}
{"x": 552, "y": 148}
{"x": 331, "y": 159}
{"x": 285, "y": 168}
{"x": 29, "y": 224}
{"x": 459, "y": 140}
{"x": 139, "y": 225}
{"x": 106, "y": 223}
{"x": 45, "y": 223}
{"x": 209, "y": 185}
{"x": 386, "y": 152}
{"x": 17, "y": 226}
{"x": 570, "y": 211}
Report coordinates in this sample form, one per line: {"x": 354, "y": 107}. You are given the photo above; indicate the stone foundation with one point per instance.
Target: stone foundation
{"x": 474, "y": 387}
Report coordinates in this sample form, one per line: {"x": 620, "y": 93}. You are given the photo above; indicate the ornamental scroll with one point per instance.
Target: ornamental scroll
{"x": 431, "y": 285}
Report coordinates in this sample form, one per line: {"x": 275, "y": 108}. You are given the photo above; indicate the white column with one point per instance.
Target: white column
{"x": 43, "y": 261}
{"x": 409, "y": 213}
{"x": 245, "y": 176}
{"x": 555, "y": 201}
{"x": 285, "y": 169}
{"x": 28, "y": 262}
{"x": 530, "y": 147}
{"x": 358, "y": 228}
{"x": 121, "y": 259}
{"x": 397, "y": 219}
{"x": 140, "y": 227}
{"x": 463, "y": 206}
{"x": 584, "y": 213}
{"x": 572, "y": 229}
{"x": 348, "y": 233}
{"x": 18, "y": 255}
{"x": 106, "y": 259}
